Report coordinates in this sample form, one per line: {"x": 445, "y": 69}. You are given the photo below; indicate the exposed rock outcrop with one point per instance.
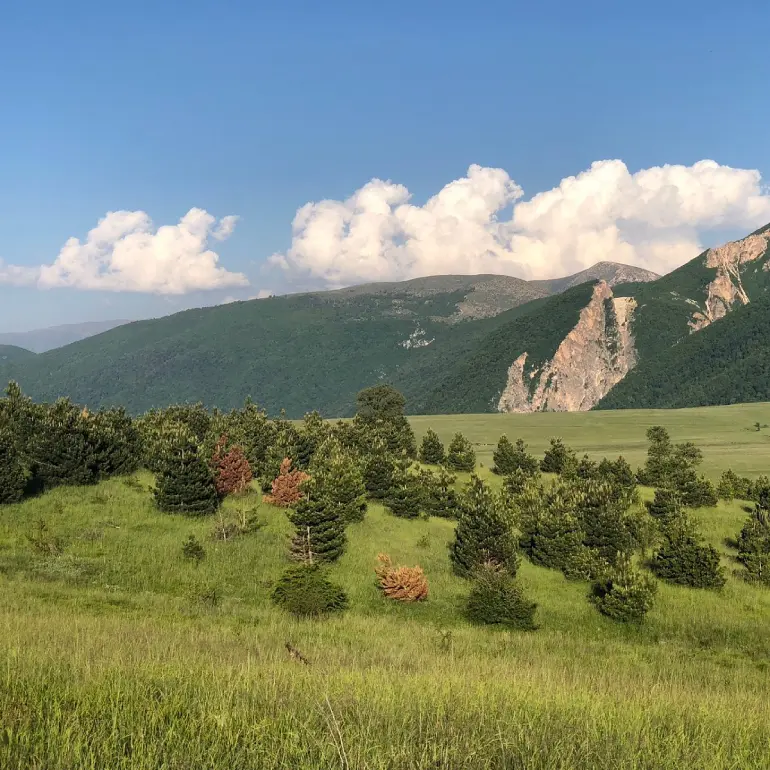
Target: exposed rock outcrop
{"x": 727, "y": 287}
{"x": 592, "y": 359}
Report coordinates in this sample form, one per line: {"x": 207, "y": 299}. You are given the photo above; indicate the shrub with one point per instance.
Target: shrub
{"x": 13, "y": 478}
{"x": 404, "y": 584}
{"x": 378, "y": 470}
{"x": 438, "y": 495}
{"x": 460, "y": 456}
{"x": 431, "y": 448}
{"x": 483, "y": 533}
{"x": 558, "y": 458}
{"x": 305, "y": 591}
{"x": 754, "y": 547}
{"x": 728, "y": 485}
{"x": 405, "y": 497}
{"x": 185, "y": 484}
{"x": 623, "y": 593}
{"x": 666, "y": 507}
{"x": 696, "y": 491}
{"x": 683, "y": 560}
{"x": 193, "y": 550}
{"x": 287, "y": 486}
{"x": 603, "y": 518}
{"x": 231, "y": 469}
{"x": 497, "y": 599}
{"x": 504, "y": 457}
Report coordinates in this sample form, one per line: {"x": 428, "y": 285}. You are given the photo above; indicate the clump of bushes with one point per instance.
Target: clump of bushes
{"x": 623, "y": 593}
{"x": 305, "y": 591}
{"x": 496, "y": 598}
{"x": 403, "y": 584}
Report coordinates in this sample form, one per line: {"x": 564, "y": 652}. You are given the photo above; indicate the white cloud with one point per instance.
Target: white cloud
{"x": 652, "y": 218}
{"x": 263, "y": 294}
{"x": 124, "y": 252}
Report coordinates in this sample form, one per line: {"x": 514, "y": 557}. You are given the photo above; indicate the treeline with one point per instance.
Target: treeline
{"x": 581, "y": 517}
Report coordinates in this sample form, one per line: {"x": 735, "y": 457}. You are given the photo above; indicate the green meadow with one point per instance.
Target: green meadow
{"x": 119, "y": 653}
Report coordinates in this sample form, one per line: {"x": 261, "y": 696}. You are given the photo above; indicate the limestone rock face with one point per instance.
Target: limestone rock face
{"x": 727, "y": 288}
{"x": 592, "y": 359}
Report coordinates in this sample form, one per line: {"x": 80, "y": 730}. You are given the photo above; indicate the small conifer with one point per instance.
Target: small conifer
{"x": 431, "y": 449}
{"x": 378, "y": 471}
{"x": 666, "y": 507}
{"x": 231, "y": 469}
{"x": 185, "y": 484}
{"x": 623, "y": 593}
{"x": 754, "y": 547}
{"x": 558, "y": 458}
{"x": 460, "y": 455}
{"x": 319, "y": 523}
{"x": 305, "y": 591}
{"x": 496, "y": 598}
{"x": 483, "y": 534}
{"x": 287, "y": 486}
{"x": 12, "y": 475}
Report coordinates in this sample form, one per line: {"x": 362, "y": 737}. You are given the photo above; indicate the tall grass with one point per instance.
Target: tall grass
{"x": 111, "y": 656}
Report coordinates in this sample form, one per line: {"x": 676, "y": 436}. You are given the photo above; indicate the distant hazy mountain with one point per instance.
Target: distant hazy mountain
{"x": 10, "y": 353}
{"x": 41, "y": 340}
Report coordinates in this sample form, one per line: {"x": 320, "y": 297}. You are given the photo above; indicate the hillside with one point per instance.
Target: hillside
{"x": 11, "y": 353}
{"x": 613, "y": 273}
{"x": 41, "y": 340}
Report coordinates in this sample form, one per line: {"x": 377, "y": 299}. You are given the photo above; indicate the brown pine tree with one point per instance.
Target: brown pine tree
{"x": 404, "y": 584}
{"x": 232, "y": 472}
{"x": 286, "y": 486}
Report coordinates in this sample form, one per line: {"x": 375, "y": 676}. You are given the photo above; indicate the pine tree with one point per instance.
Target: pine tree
{"x": 515, "y": 483}
{"x": 319, "y": 523}
{"x": 115, "y": 442}
{"x": 438, "y": 495}
{"x": 13, "y": 478}
{"x": 696, "y": 491}
{"x": 405, "y": 497}
{"x": 286, "y": 489}
{"x": 231, "y": 469}
{"x": 728, "y": 485}
{"x": 431, "y": 449}
{"x": 666, "y": 506}
{"x": 604, "y": 522}
{"x": 504, "y": 457}
{"x": 340, "y": 476}
{"x": 623, "y": 593}
{"x": 305, "y": 591}
{"x": 378, "y": 470}
{"x": 754, "y": 547}
{"x": 617, "y": 473}
{"x": 482, "y": 533}
{"x": 558, "y": 537}
{"x": 496, "y": 598}
{"x": 558, "y": 458}
{"x": 380, "y": 412}
{"x": 185, "y": 484}
{"x": 460, "y": 456}
{"x": 587, "y": 469}
{"x": 682, "y": 559}
{"x": 657, "y": 469}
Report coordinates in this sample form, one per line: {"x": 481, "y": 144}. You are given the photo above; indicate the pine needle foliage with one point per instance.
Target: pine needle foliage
{"x": 305, "y": 591}
{"x": 623, "y": 593}
{"x": 460, "y": 455}
{"x": 431, "y": 449}
{"x": 185, "y": 484}
{"x": 403, "y": 584}
{"x": 287, "y": 486}
{"x": 496, "y": 598}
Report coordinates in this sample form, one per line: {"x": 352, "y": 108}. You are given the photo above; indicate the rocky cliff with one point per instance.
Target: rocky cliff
{"x": 727, "y": 287}
{"x": 592, "y": 359}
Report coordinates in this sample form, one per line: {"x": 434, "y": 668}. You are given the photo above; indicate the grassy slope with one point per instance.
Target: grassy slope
{"x": 109, "y": 662}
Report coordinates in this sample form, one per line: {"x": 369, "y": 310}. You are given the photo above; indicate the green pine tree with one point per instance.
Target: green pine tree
{"x": 558, "y": 458}
{"x": 378, "y": 470}
{"x": 185, "y": 484}
{"x": 682, "y": 559}
{"x": 666, "y": 507}
{"x": 431, "y": 449}
{"x": 657, "y": 469}
{"x": 623, "y": 593}
{"x": 13, "y": 478}
{"x": 405, "y": 498}
{"x": 483, "y": 533}
{"x": 340, "y": 476}
{"x": 728, "y": 485}
{"x": 438, "y": 494}
{"x": 460, "y": 455}
{"x": 496, "y": 598}
{"x": 754, "y": 547}
{"x": 695, "y": 491}
{"x": 604, "y": 522}
{"x": 319, "y": 524}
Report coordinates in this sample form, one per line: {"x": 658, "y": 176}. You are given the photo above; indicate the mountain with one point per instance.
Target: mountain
{"x": 449, "y": 343}
{"x": 41, "y": 340}
{"x": 612, "y": 273}
{"x": 11, "y": 353}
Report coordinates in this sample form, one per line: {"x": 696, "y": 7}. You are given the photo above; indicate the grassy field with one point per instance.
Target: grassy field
{"x": 120, "y": 654}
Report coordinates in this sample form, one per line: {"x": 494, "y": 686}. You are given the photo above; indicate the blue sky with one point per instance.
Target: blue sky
{"x": 253, "y": 110}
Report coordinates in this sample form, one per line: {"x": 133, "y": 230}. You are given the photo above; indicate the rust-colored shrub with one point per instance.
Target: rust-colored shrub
{"x": 286, "y": 486}
{"x": 231, "y": 469}
{"x": 404, "y": 584}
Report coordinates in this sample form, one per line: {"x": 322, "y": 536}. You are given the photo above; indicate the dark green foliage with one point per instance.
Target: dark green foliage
{"x": 602, "y": 516}
{"x": 405, "y": 497}
{"x": 431, "y": 448}
{"x": 516, "y": 482}
{"x": 460, "y": 456}
{"x": 438, "y": 495}
{"x": 483, "y": 534}
{"x": 305, "y": 591}
{"x": 319, "y": 524}
{"x": 696, "y": 491}
{"x": 13, "y": 479}
{"x": 728, "y": 486}
{"x": 340, "y": 477}
{"x": 193, "y": 550}
{"x": 558, "y": 458}
{"x": 754, "y": 547}
{"x": 666, "y": 506}
{"x": 623, "y": 593}
{"x": 618, "y": 473}
{"x": 587, "y": 469}
{"x": 509, "y": 458}
{"x": 682, "y": 559}
{"x": 116, "y": 443}
{"x": 496, "y": 598}
{"x": 378, "y": 469}
{"x": 760, "y": 492}
{"x": 557, "y": 538}
{"x": 185, "y": 484}
{"x": 380, "y": 412}
{"x": 657, "y": 470}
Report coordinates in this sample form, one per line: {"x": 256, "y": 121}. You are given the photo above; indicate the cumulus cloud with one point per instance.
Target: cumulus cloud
{"x": 125, "y": 252}
{"x": 652, "y": 218}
